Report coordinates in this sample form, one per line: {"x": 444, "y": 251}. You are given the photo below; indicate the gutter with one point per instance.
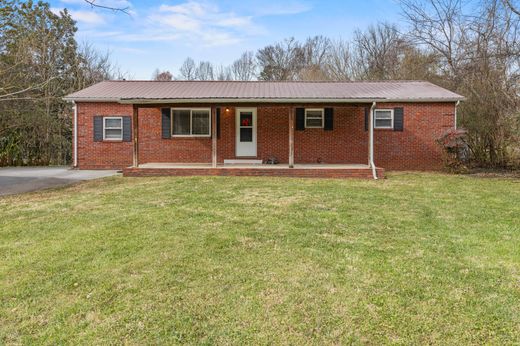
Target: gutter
{"x": 75, "y": 107}
{"x": 371, "y": 142}
{"x": 456, "y": 108}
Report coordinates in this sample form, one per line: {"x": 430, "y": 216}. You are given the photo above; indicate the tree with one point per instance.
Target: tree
{"x": 204, "y": 71}
{"x": 223, "y": 73}
{"x": 480, "y": 58}
{"x": 281, "y": 61}
{"x": 244, "y": 68}
{"x": 187, "y": 70}
{"x": 340, "y": 63}
{"x": 40, "y": 62}
{"x": 316, "y": 51}
{"x": 379, "y": 50}
{"x": 163, "y": 76}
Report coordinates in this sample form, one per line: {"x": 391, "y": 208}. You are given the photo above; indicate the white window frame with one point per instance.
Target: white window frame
{"x": 392, "y": 118}
{"x": 191, "y": 116}
{"x": 322, "y": 110}
{"x": 112, "y": 128}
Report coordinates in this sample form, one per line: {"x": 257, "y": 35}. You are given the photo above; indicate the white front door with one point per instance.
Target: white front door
{"x": 246, "y": 132}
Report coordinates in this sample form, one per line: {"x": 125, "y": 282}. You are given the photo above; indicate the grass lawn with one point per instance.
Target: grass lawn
{"x": 414, "y": 259}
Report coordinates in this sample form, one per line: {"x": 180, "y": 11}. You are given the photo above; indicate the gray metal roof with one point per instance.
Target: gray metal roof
{"x": 212, "y": 91}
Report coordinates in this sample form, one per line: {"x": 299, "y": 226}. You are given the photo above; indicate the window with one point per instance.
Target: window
{"x": 191, "y": 122}
{"x": 384, "y": 119}
{"x": 314, "y": 118}
{"x": 113, "y": 128}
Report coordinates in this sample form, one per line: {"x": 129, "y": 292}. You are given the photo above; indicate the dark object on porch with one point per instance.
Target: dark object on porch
{"x": 272, "y": 161}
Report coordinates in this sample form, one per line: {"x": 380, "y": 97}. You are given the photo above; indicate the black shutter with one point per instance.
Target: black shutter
{"x": 300, "y": 119}
{"x": 367, "y": 117}
{"x": 398, "y": 119}
{"x": 127, "y": 129}
{"x": 218, "y": 122}
{"x": 98, "y": 128}
{"x": 329, "y": 119}
{"x": 166, "y": 123}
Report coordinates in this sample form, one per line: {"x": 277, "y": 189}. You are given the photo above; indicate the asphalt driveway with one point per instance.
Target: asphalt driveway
{"x": 24, "y": 179}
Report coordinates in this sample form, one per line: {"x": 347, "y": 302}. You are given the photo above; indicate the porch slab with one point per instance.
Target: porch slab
{"x": 282, "y": 170}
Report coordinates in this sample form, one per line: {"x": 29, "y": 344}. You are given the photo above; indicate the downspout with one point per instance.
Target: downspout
{"x": 371, "y": 141}
{"x": 75, "y": 107}
{"x": 456, "y": 107}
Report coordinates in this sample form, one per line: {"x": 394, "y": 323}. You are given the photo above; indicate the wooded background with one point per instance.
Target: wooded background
{"x": 470, "y": 47}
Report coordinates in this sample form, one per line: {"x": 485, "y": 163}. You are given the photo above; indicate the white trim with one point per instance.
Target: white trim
{"x": 392, "y": 118}
{"x": 112, "y": 128}
{"x": 75, "y": 107}
{"x": 237, "y": 132}
{"x": 242, "y": 162}
{"x": 371, "y": 141}
{"x": 191, "y": 135}
{"x": 322, "y": 110}
{"x": 455, "y": 114}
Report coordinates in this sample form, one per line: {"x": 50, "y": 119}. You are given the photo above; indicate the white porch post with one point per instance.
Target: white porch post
{"x": 135, "y": 121}
{"x": 371, "y": 141}
{"x": 213, "y": 137}
{"x": 291, "y": 137}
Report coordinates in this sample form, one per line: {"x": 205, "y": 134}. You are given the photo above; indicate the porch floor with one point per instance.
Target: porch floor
{"x": 255, "y": 166}
{"x": 299, "y": 170}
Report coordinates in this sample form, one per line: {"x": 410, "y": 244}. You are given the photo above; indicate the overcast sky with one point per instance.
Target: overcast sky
{"x": 161, "y": 34}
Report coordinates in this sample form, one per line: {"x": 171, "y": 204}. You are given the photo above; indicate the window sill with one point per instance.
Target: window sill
{"x": 112, "y": 141}
{"x": 190, "y": 137}
{"x": 383, "y": 129}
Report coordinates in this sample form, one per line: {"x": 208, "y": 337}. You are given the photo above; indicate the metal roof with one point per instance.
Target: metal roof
{"x": 241, "y": 91}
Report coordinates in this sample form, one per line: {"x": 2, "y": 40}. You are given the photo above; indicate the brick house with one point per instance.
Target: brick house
{"x": 334, "y": 129}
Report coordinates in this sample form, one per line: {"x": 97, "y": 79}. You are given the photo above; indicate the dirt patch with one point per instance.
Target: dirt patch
{"x": 495, "y": 173}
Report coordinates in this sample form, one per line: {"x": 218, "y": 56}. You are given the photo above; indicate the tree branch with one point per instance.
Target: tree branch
{"x": 124, "y": 10}
{"x": 511, "y": 7}
{"x": 32, "y": 87}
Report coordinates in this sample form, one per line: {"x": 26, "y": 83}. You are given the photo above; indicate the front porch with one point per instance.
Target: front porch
{"x": 282, "y": 170}
{"x": 238, "y": 140}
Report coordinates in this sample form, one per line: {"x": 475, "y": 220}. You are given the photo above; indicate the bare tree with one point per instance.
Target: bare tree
{"x": 244, "y": 68}
{"x": 315, "y": 54}
{"x": 94, "y": 67}
{"x": 163, "y": 76}
{"x": 438, "y": 25}
{"x": 339, "y": 64}
{"x": 480, "y": 58}
{"x": 205, "y": 71}
{"x": 223, "y": 73}
{"x": 281, "y": 61}
{"x": 187, "y": 70}
{"x": 378, "y": 51}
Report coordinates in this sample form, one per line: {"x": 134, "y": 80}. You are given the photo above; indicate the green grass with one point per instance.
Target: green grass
{"x": 414, "y": 259}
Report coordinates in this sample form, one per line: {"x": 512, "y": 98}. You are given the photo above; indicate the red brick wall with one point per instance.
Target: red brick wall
{"x": 101, "y": 155}
{"x": 153, "y": 148}
{"x": 413, "y": 149}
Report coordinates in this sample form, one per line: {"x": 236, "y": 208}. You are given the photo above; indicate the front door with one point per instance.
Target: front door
{"x": 246, "y": 132}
